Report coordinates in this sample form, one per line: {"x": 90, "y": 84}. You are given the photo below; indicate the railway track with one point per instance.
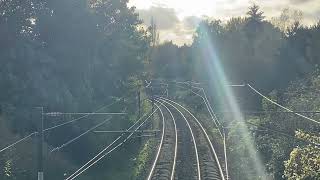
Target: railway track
{"x": 163, "y": 167}
{"x": 188, "y": 167}
{"x": 206, "y": 165}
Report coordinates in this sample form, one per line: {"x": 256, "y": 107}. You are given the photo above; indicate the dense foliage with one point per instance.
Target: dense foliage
{"x": 67, "y": 56}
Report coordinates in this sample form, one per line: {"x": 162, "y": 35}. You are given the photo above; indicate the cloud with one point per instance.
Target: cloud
{"x": 183, "y": 31}
{"x": 191, "y": 22}
{"x": 177, "y": 19}
{"x": 170, "y": 27}
{"x": 299, "y": 1}
{"x": 165, "y": 18}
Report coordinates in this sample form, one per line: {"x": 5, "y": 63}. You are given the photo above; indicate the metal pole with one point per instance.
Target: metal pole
{"x": 139, "y": 103}
{"x": 225, "y": 154}
{"x": 152, "y": 107}
{"x": 168, "y": 91}
{"x": 40, "y": 147}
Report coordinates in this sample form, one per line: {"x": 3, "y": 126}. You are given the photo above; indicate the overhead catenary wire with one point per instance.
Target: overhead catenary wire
{"x": 17, "y": 142}
{"x": 210, "y": 110}
{"x": 205, "y": 96}
{"x": 283, "y": 107}
{"x": 197, "y": 94}
{"x": 205, "y": 100}
{"x": 272, "y": 112}
{"x": 103, "y": 153}
{"x": 224, "y": 136}
{"x": 65, "y": 123}
{"x": 78, "y": 137}
{"x": 97, "y": 160}
{"x": 106, "y": 148}
{"x": 48, "y": 129}
{"x": 84, "y": 116}
{"x": 84, "y": 113}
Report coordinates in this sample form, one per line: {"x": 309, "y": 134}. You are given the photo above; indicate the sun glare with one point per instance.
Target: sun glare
{"x": 219, "y": 79}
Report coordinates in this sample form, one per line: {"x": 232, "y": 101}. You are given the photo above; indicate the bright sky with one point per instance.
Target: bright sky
{"x": 177, "y": 19}
{"x": 182, "y": 7}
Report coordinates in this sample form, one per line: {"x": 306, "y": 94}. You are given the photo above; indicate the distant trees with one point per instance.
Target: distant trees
{"x": 247, "y": 49}
{"x": 287, "y": 19}
{"x": 171, "y": 62}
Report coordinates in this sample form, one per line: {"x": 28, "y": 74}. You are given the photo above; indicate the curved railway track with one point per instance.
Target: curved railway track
{"x": 207, "y": 162}
{"x": 189, "y": 159}
{"x": 164, "y": 164}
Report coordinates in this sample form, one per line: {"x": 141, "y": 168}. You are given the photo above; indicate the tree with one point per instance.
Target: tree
{"x": 67, "y": 55}
{"x": 287, "y": 19}
{"x": 254, "y": 22}
{"x": 255, "y": 15}
{"x": 304, "y": 161}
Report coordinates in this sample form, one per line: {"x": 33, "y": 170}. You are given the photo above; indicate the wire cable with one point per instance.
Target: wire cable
{"x": 65, "y": 123}
{"x": 84, "y": 116}
{"x": 78, "y": 137}
{"x": 17, "y": 142}
{"x": 205, "y": 96}
{"x": 205, "y": 100}
{"x": 208, "y": 105}
{"x": 93, "y": 161}
{"x": 106, "y": 147}
{"x": 283, "y": 107}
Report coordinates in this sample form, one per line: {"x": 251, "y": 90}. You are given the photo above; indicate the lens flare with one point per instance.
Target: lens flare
{"x": 219, "y": 81}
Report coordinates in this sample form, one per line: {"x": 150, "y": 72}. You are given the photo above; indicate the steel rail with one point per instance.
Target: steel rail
{"x": 176, "y": 141}
{"x": 223, "y": 132}
{"x": 205, "y": 133}
{"x": 192, "y": 135}
{"x": 160, "y": 145}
